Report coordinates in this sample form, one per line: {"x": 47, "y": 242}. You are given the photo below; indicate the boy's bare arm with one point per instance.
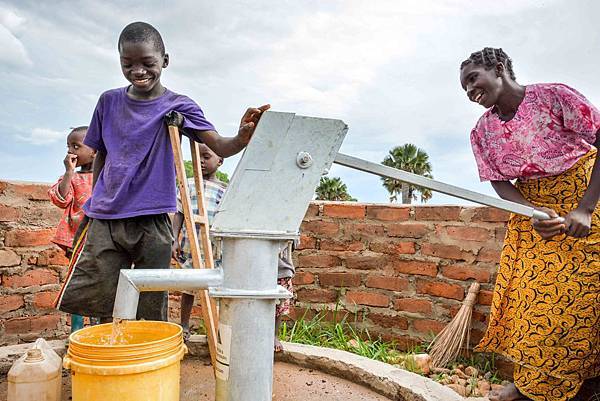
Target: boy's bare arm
{"x": 229, "y": 146}
{"x": 70, "y": 163}
{"x": 98, "y": 166}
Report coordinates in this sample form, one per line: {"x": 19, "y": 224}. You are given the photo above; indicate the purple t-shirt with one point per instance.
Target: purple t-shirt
{"x": 138, "y": 177}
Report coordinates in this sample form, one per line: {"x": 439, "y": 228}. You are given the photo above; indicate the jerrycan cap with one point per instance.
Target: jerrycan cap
{"x": 34, "y": 355}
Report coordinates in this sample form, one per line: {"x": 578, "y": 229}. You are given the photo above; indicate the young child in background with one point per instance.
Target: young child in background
{"x": 70, "y": 193}
{"x": 134, "y": 178}
{"x": 545, "y": 310}
{"x": 285, "y": 274}
{"x": 181, "y": 252}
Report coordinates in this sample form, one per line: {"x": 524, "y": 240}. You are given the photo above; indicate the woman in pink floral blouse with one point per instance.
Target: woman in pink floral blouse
{"x": 537, "y": 145}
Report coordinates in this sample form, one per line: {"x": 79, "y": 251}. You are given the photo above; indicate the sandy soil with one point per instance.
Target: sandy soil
{"x": 197, "y": 383}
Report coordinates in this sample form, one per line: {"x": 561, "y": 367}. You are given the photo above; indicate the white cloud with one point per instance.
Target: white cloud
{"x": 42, "y": 136}
{"x": 13, "y": 51}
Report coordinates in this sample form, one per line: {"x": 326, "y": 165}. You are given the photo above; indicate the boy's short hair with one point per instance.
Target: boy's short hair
{"x": 139, "y": 32}
{"x": 81, "y": 128}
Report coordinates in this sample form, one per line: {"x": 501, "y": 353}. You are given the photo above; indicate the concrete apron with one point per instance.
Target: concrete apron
{"x": 394, "y": 383}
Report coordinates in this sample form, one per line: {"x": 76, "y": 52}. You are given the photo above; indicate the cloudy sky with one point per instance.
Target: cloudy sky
{"x": 389, "y": 69}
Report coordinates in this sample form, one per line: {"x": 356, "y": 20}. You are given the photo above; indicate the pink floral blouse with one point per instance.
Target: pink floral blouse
{"x": 553, "y": 127}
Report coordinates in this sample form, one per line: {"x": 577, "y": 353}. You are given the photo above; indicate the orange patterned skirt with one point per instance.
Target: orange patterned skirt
{"x": 545, "y": 313}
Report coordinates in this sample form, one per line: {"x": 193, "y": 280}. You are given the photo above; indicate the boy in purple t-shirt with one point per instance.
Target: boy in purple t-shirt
{"x": 134, "y": 178}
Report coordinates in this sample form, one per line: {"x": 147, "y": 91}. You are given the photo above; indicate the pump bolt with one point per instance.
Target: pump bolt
{"x": 304, "y": 160}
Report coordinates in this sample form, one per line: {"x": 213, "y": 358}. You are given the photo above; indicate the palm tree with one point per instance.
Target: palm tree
{"x": 409, "y": 158}
{"x": 332, "y": 189}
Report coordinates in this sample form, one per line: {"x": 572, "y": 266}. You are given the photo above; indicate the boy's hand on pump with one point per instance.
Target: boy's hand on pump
{"x": 549, "y": 228}
{"x": 70, "y": 162}
{"x": 578, "y": 223}
{"x": 249, "y": 122}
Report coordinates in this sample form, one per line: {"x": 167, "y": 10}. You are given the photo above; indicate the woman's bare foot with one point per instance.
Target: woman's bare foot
{"x": 277, "y": 347}
{"x": 508, "y": 393}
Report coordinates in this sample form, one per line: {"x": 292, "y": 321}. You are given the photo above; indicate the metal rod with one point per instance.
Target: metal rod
{"x": 134, "y": 281}
{"x": 404, "y": 176}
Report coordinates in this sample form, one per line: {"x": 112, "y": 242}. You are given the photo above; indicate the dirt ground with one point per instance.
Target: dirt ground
{"x": 290, "y": 383}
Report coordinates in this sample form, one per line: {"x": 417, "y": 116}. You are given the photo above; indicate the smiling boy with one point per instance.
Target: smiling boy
{"x": 134, "y": 177}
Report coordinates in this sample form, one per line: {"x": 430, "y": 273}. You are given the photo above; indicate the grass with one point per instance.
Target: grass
{"x": 344, "y": 336}
{"x": 341, "y": 334}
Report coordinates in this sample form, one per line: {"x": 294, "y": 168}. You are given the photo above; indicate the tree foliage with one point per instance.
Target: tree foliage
{"x": 332, "y": 189}
{"x": 409, "y": 158}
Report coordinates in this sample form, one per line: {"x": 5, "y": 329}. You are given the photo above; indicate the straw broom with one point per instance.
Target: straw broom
{"x": 446, "y": 346}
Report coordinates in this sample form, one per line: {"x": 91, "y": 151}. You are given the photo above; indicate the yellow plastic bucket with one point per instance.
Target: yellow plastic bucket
{"x": 144, "y": 367}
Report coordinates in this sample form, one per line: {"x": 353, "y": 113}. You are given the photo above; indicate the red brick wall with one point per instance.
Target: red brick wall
{"x": 404, "y": 270}
{"x": 31, "y": 268}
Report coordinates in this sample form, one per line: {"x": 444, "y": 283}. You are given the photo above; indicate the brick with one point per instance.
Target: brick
{"x": 332, "y": 245}
{"x": 440, "y": 289}
{"x": 306, "y": 242}
{"x": 10, "y": 303}
{"x": 44, "y": 299}
{"x": 340, "y": 279}
{"x": 46, "y": 322}
{"x": 31, "y": 324}
{"x": 32, "y": 277}
{"x": 500, "y": 233}
{"x": 30, "y": 191}
{"x": 415, "y": 267}
{"x": 361, "y": 230}
{"x": 365, "y": 262}
{"x": 393, "y": 248}
{"x": 312, "y": 211}
{"x": 437, "y": 213}
{"x": 389, "y": 321}
{"x": 318, "y": 260}
{"x": 408, "y": 230}
{"x": 388, "y": 283}
{"x": 466, "y": 272}
{"x": 476, "y": 315}
{"x": 413, "y": 305}
{"x": 29, "y": 237}
{"x": 326, "y": 228}
{"x": 316, "y": 295}
{"x": 490, "y": 214}
{"x": 303, "y": 278}
{"x": 485, "y": 297}
{"x": 427, "y": 326}
{"x": 344, "y": 210}
{"x": 388, "y": 213}
{"x": 367, "y": 298}
{"x": 445, "y": 251}
{"x": 53, "y": 256}
{"x": 489, "y": 255}
{"x": 9, "y": 258}
{"x": 467, "y": 233}
{"x": 9, "y": 213}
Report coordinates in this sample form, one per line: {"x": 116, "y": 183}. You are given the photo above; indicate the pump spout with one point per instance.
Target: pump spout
{"x": 134, "y": 281}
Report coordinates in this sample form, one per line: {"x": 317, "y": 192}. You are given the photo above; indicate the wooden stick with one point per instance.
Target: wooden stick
{"x": 207, "y": 305}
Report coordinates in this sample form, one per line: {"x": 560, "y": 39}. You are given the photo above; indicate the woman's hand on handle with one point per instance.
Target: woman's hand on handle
{"x": 578, "y": 223}
{"x": 549, "y": 228}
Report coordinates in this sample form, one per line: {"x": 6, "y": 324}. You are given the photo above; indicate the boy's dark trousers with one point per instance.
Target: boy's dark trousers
{"x": 142, "y": 242}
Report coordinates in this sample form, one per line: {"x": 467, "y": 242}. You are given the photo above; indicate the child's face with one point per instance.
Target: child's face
{"x": 482, "y": 85}
{"x": 142, "y": 64}
{"x": 209, "y": 160}
{"x": 85, "y": 154}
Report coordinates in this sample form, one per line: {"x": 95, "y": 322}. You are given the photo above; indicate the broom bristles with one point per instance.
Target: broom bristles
{"x": 446, "y": 346}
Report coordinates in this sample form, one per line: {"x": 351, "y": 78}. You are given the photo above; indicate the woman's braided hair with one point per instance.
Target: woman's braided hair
{"x": 489, "y": 57}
